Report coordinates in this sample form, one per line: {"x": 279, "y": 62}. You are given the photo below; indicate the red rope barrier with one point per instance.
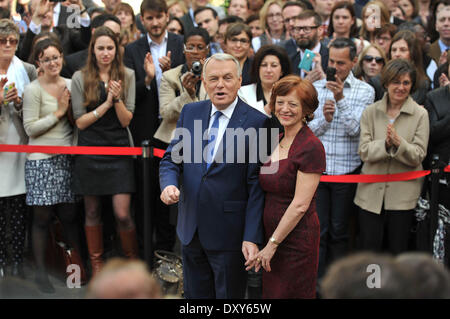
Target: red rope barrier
{"x": 375, "y": 178}
{"x": 94, "y": 150}
{"x": 84, "y": 150}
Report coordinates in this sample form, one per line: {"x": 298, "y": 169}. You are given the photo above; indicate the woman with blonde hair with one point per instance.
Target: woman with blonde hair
{"x": 176, "y": 8}
{"x": 103, "y": 97}
{"x": 272, "y": 22}
{"x": 370, "y": 63}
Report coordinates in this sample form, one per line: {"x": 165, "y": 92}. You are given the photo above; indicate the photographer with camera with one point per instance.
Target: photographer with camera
{"x": 182, "y": 85}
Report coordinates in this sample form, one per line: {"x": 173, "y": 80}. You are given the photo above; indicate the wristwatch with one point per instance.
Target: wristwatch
{"x": 273, "y": 240}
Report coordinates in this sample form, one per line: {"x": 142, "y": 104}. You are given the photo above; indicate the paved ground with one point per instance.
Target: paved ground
{"x": 16, "y": 288}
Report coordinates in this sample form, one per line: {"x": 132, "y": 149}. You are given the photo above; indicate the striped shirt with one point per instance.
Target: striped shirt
{"x": 340, "y": 137}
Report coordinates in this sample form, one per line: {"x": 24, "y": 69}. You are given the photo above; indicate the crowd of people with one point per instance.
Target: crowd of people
{"x": 351, "y": 87}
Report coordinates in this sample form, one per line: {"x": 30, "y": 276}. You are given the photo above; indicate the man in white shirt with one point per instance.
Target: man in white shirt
{"x": 150, "y": 56}
{"x": 336, "y": 124}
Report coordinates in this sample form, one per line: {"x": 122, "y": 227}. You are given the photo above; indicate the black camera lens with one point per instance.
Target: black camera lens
{"x": 196, "y": 68}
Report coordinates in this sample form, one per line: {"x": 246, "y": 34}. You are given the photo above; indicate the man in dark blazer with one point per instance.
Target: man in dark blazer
{"x": 77, "y": 60}
{"x": 442, "y": 44}
{"x": 149, "y": 56}
{"x": 220, "y": 202}
{"x": 306, "y": 36}
{"x": 72, "y": 39}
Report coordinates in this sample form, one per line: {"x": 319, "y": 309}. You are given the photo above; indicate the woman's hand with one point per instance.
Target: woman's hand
{"x": 63, "y": 103}
{"x": 189, "y": 82}
{"x": 115, "y": 88}
{"x": 264, "y": 257}
{"x": 13, "y": 95}
{"x": 2, "y": 85}
{"x": 392, "y": 136}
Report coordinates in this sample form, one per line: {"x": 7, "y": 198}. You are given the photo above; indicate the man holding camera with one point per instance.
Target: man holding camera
{"x": 183, "y": 85}
{"x": 342, "y": 99}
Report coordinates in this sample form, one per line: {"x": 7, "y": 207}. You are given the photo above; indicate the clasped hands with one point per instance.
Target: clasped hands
{"x": 114, "y": 91}
{"x": 149, "y": 66}
{"x": 392, "y": 138}
{"x": 253, "y": 257}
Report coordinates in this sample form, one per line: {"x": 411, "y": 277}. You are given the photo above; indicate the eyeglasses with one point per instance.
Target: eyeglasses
{"x": 274, "y": 16}
{"x": 242, "y": 41}
{"x": 50, "y": 60}
{"x": 369, "y": 58}
{"x": 11, "y": 41}
{"x": 287, "y": 20}
{"x": 305, "y": 29}
{"x": 192, "y": 48}
{"x": 398, "y": 82}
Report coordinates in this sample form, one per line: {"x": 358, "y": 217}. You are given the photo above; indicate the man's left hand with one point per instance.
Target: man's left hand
{"x": 164, "y": 62}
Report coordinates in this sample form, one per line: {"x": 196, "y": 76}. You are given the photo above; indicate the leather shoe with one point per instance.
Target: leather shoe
{"x": 2, "y": 272}
{"x": 17, "y": 271}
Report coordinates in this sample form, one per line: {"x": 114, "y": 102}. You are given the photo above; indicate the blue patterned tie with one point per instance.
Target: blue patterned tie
{"x": 213, "y": 131}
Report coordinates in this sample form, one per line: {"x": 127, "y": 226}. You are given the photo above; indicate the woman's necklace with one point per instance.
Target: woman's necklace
{"x": 284, "y": 147}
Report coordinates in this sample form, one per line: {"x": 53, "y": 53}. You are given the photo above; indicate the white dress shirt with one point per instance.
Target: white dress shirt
{"x": 223, "y": 122}
{"x": 158, "y": 51}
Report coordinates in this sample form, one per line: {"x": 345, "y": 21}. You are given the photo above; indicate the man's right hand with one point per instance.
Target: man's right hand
{"x": 149, "y": 68}
{"x": 41, "y": 9}
{"x": 170, "y": 195}
{"x": 328, "y": 110}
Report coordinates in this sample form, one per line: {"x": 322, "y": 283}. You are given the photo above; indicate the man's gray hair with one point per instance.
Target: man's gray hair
{"x": 223, "y": 57}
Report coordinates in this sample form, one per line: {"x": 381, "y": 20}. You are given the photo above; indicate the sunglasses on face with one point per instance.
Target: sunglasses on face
{"x": 11, "y": 41}
{"x": 369, "y": 58}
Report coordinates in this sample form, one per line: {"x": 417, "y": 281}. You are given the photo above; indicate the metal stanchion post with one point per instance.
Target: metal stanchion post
{"x": 147, "y": 154}
{"x": 434, "y": 197}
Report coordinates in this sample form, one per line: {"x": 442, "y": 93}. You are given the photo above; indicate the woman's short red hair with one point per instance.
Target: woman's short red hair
{"x": 306, "y": 93}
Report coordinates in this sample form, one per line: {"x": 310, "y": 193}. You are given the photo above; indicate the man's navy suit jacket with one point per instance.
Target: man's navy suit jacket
{"x": 225, "y": 202}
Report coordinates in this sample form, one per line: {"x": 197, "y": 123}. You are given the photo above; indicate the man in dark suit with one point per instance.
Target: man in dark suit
{"x": 220, "y": 202}
{"x": 306, "y": 36}
{"x": 442, "y": 44}
{"x": 77, "y": 60}
{"x": 149, "y": 57}
{"x": 72, "y": 38}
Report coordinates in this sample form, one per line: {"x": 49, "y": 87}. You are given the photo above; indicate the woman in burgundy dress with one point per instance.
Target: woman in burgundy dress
{"x": 290, "y": 258}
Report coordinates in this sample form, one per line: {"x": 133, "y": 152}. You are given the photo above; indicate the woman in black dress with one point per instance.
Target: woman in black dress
{"x": 103, "y": 95}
